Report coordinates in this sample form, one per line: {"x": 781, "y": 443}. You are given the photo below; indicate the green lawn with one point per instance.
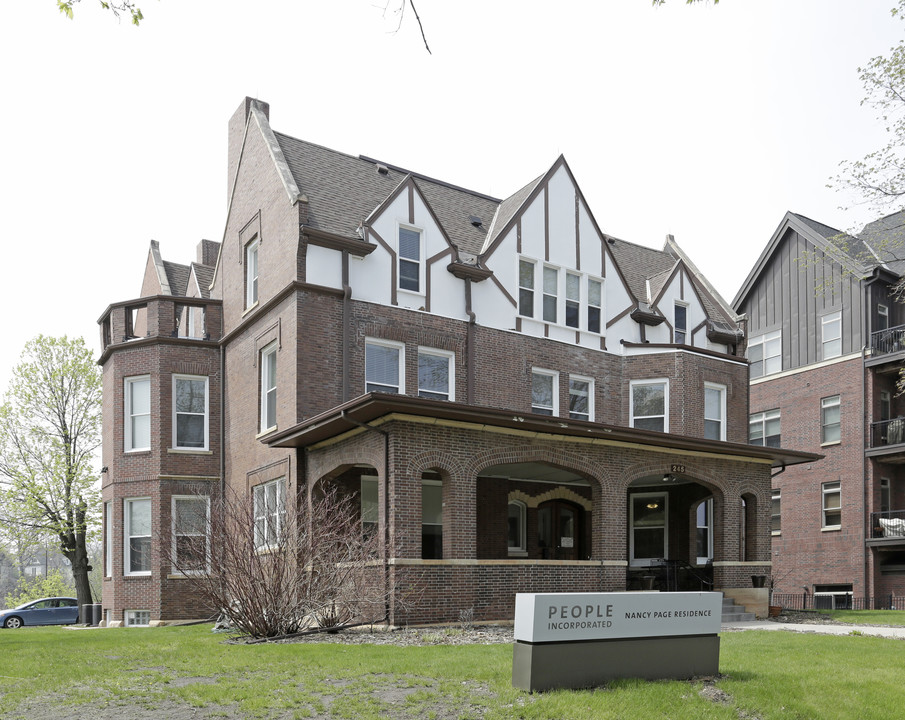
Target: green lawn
{"x": 191, "y": 672}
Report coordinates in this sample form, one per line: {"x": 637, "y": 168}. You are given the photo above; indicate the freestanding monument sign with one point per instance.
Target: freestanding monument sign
{"x": 575, "y": 640}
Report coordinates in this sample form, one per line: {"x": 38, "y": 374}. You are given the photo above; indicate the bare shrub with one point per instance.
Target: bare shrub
{"x": 285, "y": 567}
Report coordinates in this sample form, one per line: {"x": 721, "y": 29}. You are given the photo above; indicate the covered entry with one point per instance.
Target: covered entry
{"x": 548, "y": 511}
{"x": 670, "y": 539}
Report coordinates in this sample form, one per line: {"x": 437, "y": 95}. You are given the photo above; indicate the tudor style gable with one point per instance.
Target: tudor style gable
{"x": 551, "y": 267}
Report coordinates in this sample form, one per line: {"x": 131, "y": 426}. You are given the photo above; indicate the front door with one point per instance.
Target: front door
{"x": 559, "y": 530}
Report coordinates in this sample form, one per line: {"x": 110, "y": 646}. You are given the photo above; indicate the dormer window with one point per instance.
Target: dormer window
{"x": 409, "y": 259}
{"x": 680, "y": 326}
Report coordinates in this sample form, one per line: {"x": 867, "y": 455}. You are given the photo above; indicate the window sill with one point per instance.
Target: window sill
{"x": 139, "y": 451}
{"x": 188, "y": 451}
{"x": 518, "y": 553}
{"x": 266, "y": 432}
{"x": 831, "y": 528}
{"x": 774, "y": 533}
{"x": 185, "y": 576}
{"x": 250, "y": 308}
{"x": 829, "y": 444}
{"x": 138, "y": 575}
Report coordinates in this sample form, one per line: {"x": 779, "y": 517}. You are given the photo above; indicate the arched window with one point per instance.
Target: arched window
{"x": 516, "y": 528}
{"x": 431, "y": 517}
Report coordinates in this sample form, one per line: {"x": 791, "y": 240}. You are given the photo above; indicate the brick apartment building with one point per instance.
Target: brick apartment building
{"x": 517, "y": 401}
{"x": 826, "y": 343}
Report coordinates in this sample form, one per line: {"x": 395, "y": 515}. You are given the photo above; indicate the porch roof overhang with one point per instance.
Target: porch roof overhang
{"x": 375, "y": 409}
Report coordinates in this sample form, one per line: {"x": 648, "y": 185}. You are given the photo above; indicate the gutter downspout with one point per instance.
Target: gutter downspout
{"x": 469, "y": 345}
{"x": 222, "y": 422}
{"x": 346, "y": 330}
{"x": 386, "y": 503}
{"x": 865, "y": 429}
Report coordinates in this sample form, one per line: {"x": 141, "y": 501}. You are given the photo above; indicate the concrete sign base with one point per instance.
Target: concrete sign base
{"x": 551, "y": 666}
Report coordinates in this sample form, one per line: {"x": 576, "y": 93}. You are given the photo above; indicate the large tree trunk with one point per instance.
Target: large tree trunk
{"x": 78, "y": 557}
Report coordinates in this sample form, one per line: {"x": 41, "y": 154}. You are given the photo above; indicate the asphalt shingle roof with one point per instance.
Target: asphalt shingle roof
{"x": 177, "y": 277}
{"x": 343, "y": 190}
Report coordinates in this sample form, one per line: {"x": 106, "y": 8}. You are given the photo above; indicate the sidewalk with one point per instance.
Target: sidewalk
{"x": 874, "y": 630}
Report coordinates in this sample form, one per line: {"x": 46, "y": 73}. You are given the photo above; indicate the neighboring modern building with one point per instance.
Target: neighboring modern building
{"x": 517, "y": 400}
{"x": 826, "y": 342}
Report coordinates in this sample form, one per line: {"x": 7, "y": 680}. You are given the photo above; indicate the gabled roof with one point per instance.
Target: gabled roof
{"x": 508, "y": 208}
{"x": 342, "y": 191}
{"x": 848, "y": 251}
{"x": 204, "y": 275}
{"x": 177, "y": 277}
{"x": 885, "y": 240}
{"x": 639, "y": 264}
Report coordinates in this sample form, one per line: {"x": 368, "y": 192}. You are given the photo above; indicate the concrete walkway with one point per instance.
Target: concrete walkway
{"x": 875, "y": 630}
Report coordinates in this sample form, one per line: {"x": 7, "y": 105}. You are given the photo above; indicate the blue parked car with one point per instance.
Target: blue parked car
{"x": 46, "y": 611}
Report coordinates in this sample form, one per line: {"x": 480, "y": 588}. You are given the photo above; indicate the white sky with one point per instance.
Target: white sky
{"x": 707, "y": 122}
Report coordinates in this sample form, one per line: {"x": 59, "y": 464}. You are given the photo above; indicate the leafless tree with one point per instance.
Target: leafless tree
{"x": 284, "y": 567}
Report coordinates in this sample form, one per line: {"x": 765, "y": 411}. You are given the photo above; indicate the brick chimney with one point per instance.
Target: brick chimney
{"x": 237, "y": 133}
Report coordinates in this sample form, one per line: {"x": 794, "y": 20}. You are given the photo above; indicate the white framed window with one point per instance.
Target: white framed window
{"x": 269, "y": 387}
{"x": 882, "y": 317}
{"x": 384, "y": 366}
{"x": 526, "y": 288}
{"x": 573, "y": 299}
{"x": 704, "y": 531}
{"x": 714, "y": 411}
{"x": 649, "y": 538}
{"x": 649, "y": 408}
{"x": 137, "y": 396}
{"x": 370, "y": 510}
{"x": 269, "y": 508}
{"x": 137, "y": 618}
{"x": 551, "y": 293}
{"x": 516, "y": 514}
{"x": 581, "y": 397}
{"x": 108, "y": 539}
{"x": 831, "y": 329}
{"x": 595, "y": 304}
{"x": 764, "y": 428}
{"x": 776, "y": 512}
{"x": 544, "y": 392}
{"x": 191, "y": 523}
{"x": 680, "y": 324}
{"x": 190, "y": 412}
{"x": 137, "y": 536}
{"x": 830, "y": 419}
{"x": 436, "y": 374}
{"x": 765, "y": 354}
{"x": 832, "y": 504}
{"x": 410, "y": 265}
{"x": 431, "y": 519}
{"x": 251, "y": 273}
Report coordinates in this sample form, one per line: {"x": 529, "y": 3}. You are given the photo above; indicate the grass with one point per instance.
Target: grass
{"x": 867, "y": 617}
{"x": 168, "y": 671}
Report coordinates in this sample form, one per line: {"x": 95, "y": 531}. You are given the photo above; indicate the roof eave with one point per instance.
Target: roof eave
{"x": 367, "y": 408}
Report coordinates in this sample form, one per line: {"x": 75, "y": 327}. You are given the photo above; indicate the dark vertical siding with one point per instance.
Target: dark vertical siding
{"x": 797, "y": 287}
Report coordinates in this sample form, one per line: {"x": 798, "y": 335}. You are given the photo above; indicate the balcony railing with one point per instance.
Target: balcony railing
{"x": 888, "y": 524}
{"x": 887, "y": 432}
{"x": 891, "y": 340}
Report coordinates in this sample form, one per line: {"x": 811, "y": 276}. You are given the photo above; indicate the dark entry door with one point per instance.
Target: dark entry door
{"x": 559, "y": 530}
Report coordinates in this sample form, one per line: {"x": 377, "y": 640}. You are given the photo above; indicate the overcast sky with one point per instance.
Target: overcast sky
{"x": 707, "y": 122}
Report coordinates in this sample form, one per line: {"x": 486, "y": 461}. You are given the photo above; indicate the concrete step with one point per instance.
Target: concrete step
{"x": 734, "y": 613}
{"x": 737, "y": 617}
